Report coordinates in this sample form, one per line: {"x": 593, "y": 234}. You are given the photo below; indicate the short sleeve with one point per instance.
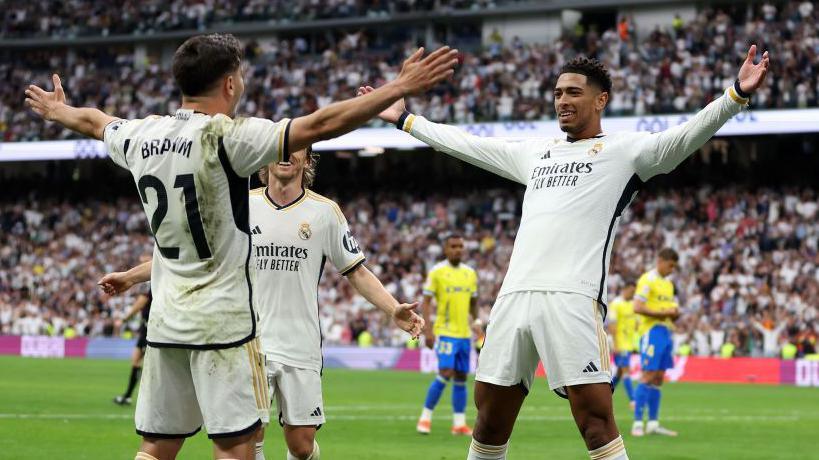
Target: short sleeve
{"x": 431, "y": 284}
{"x": 116, "y": 140}
{"x": 643, "y": 288}
{"x": 251, "y": 143}
{"x": 343, "y": 249}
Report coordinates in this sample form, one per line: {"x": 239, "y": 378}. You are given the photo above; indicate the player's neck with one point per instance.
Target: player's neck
{"x": 454, "y": 264}
{"x": 283, "y": 193}
{"x": 204, "y": 105}
{"x": 593, "y": 130}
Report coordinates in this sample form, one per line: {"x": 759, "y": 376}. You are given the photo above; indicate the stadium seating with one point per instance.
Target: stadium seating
{"x": 667, "y": 71}
{"x": 748, "y": 261}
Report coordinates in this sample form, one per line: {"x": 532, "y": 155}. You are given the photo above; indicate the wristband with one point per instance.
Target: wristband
{"x": 400, "y": 123}
{"x": 739, "y": 91}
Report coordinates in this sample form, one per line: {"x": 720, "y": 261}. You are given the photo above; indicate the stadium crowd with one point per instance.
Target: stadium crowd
{"x": 82, "y": 18}
{"x": 748, "y": 277}
{"x": 675, "y": 69}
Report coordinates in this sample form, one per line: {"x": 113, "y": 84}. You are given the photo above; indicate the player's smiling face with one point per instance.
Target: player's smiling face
{"x": 578, "y": 104}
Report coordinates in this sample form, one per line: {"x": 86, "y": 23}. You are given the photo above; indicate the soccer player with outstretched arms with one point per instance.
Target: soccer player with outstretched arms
{"x": 295, "y": 231}
{"x": 191, "y": 171}
{"x": 552, "y": 304}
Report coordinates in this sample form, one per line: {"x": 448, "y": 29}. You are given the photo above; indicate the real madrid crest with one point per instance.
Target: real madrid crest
{"x": 304, "y": 231}
{"x": 596, "y": 148}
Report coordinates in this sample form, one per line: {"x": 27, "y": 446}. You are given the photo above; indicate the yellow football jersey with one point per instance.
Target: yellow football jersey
{"x": 658, "y": 294}
{"x": 625, "y": 329}
{"x": 453, "y": 289}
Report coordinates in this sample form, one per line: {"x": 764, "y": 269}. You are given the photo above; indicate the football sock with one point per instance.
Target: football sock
{"x": 260, "y": 450}
{"x": 144, "y": 456}
{"x": 436, "y": 388}
{"x": 615, "y": 381}
{"x": 459, "y": 401}
{"x": 615, "y": 450}
{"x": 313, "y": 456}
{"x": 480, "y": 451}
{"x": 132, "y": 381}
{"x": 629, "y": 388}
{"x": 640, "y": 396}
{"x": 653, "y": 401}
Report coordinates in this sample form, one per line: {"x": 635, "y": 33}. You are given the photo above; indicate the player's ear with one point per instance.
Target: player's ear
{"x": 229, "y": 86}
{"x": 601, "y": 101}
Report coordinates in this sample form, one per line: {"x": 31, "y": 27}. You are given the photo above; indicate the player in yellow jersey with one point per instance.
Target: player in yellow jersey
{"x": 623, "y": 327}
{"x": 657, "y": 306}
{"x": 454, "y": 286}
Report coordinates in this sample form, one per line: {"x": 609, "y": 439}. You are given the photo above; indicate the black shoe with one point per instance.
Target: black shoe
{"x": 122, "y": 400}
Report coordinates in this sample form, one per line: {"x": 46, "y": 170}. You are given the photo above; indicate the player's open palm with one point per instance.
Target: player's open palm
{"x": 419, "y": 75}
{"x": 115, "y": 283}
{"x": 751, "y": 76}
{"x": 392, "y": 113}
{"x": 45, "y": 103}
{"x": 406, "y": 318}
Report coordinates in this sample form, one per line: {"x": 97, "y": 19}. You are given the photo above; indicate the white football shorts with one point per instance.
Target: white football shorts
{"x": 562, "y": 329}
{"x": 182, "y": 389}
{"x": 298, "y": 394}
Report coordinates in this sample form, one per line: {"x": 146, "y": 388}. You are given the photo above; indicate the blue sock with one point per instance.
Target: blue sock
{"x": 615, "y": 381}
{"x": 459, "y": 396}
{"x": 640, "y": 396}
{"x": 629, "y": 388}
{"x": 653, "y": 401}
{"x": 434, "y": 393}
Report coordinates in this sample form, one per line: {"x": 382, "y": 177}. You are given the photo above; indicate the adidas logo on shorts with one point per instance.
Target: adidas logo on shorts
{"x": 590, "y": 368}
{"x": 316, "y": 413}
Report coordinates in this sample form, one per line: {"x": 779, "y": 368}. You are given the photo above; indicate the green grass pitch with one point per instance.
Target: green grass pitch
{"x": 62, "y": 409}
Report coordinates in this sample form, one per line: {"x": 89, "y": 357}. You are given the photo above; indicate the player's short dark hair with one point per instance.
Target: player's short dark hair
{"x": 628, "y": 282}
{"x": 452, "y": 236}
{"x": 668, "y": 254}
{"x": 203, "y": 60}
{"x": 595, "y": 72}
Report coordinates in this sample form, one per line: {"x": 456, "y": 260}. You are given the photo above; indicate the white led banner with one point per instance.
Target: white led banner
{"x": 760, "y": 122}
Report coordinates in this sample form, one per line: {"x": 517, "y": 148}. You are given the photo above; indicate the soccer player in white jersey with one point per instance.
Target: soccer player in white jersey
{"x": 553, "y": 300}
{"x": 295, "y": 232}
{"x": 203, "y": 365}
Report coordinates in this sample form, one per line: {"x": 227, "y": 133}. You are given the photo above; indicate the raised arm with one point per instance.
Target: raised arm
{"x": 369, "y": 286}
{"x": 51, "y": 106}
{"x": 497, "y": 156}
{"x": 660, "y": 153}
{"x": 417, "y": 76}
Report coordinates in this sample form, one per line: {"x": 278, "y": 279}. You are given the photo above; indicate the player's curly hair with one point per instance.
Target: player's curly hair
{"x": 308, "y": 175}
{"x": 595, "y": 72}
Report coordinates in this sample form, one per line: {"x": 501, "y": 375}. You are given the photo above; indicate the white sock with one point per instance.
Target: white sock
{"x": 652, "y": 425}
{"x": 426, "y": 414}
{"x": 615, "y": 450}
{"x": 458, "y": 419}
{"x": 144, "y": 456}
{"x": 260, "y": 450}
{"x": 480, "y": 451}
{"x": 313, "y": 456}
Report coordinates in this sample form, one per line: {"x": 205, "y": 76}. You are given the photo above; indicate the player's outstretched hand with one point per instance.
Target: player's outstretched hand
{"x": 751, "y": 76}
{"x": 406, "y": 318}
{"x": 45, "y": 103}
{"x": 392, "y": 113}
{"x": 419, "y": 75}
{"x": 115, "y": 283}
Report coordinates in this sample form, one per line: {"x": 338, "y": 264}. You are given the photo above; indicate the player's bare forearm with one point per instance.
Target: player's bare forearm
{"x": 417, "y": 75}
{"x": 426, "y": 310}
{"x": 139, "y": 304}
{"x": 52, "y": 106}
{"x": 640, "y": 309}
{"x": 140, "y": 273}
{"x": 87, "y": 121}
{"x": 371, "y": 288}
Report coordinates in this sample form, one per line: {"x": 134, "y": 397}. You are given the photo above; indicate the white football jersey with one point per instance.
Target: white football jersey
{"x": 191, "y": 172}
{"x": 576, "y": 191}
{"x": 291, "y": 244}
